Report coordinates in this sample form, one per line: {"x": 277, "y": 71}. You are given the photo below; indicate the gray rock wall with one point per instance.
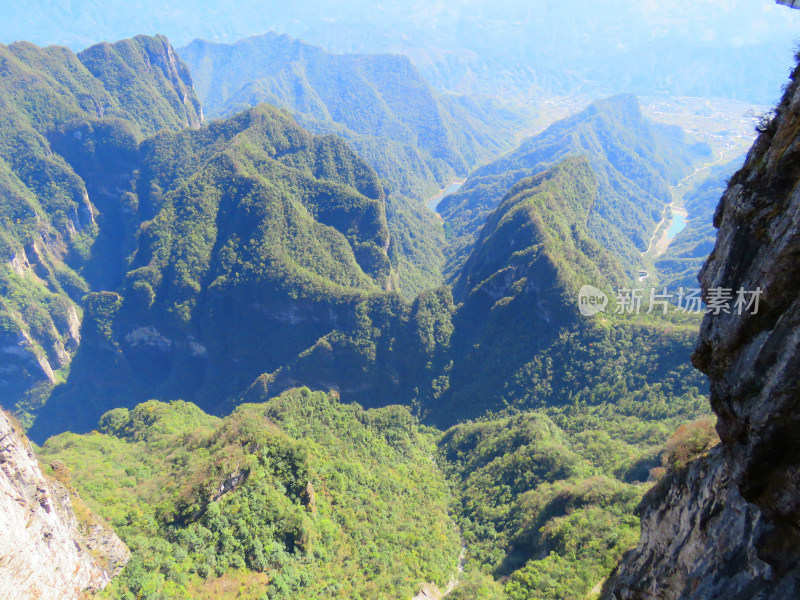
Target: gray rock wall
{"x": 728, "y": 526}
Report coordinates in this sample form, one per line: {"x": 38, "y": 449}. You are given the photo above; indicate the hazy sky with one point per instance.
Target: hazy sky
{"x": 565, "y": 43}
{"x": 81, "y": 22}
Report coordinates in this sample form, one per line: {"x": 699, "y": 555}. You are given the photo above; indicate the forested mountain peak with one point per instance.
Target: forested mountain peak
{"x": 245, "y": 225}
{"x": 295, "y": 495}
{"x": 69, "y": 127}
{"x": 634, "y": 161}
{"x": 143, "y": 62}
{"x": 550, "y": 213}
{"x": 418, "y": 140}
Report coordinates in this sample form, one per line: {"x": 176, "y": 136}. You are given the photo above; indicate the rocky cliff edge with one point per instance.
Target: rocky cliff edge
{"x": 728, "y": 525}
{"x": 51, "y": 546}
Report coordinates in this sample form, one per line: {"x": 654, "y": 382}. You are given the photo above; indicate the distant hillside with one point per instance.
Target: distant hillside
{"x": 378, "y": 95}
{"x": 542, "y": 219}
{"x": 513, "y": 337}
{"x": 633, "y": 159}
{"x": 518, "y": 287}
{"x": 680, "y": 264}
{"x": 518, "y": 338}
{"x": 416, "y": 139}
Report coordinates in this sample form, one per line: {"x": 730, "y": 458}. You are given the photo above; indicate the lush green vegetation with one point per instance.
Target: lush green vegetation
{"x": 304, "y": 496}
{"x": 416, "y": 140}
{"x": 543, "y": 219}
{"x": 246, "y": 225}
{"x": 161, "y": 97}
{"x": 52, "y": 208}
{"x": 634, "y": 161}
{"x": 518, "y": 338}
{"x": 546, "y": 499}
{"x": 387, "y": 349}
{"x": 300, "y": 496}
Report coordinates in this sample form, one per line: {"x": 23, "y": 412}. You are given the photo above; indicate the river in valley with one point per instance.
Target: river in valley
{"x": 677, "y": 225}
{"x": 452, "y": 188}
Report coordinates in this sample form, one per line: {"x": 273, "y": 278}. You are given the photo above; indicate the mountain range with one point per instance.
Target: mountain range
{"x": 247, "y": 346}
{"x": 417, "y": 140}
{"x": 539, "y": 49}
{"x": 634, "y": 161}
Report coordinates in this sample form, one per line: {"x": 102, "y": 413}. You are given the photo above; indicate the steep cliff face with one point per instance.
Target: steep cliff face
{"x": 69, "y": 128}
{"x": 148, "y": 78}
{"x": 729, "y": 525}
{"x": 46, "y": 551}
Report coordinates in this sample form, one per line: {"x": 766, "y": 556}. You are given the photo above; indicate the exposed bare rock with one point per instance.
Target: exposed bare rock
{"x": 728, "y": 526}
{"x": 19, "y": 263}
{"x": 148, "y": 336}
{"x": 73, "y": 327}
{"x": 19, "y": 351}
{"x": 46, "y": 551}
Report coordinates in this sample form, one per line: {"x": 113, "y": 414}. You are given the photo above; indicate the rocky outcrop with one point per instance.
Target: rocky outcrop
{"x": 728, "y": 526}
{"x": 46, "y": 551}
{"x": 147, "y": 63}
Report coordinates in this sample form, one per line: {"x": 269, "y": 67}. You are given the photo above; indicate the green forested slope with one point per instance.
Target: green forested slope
{"x": 252, "y": 239}
{"x": 546, "y": 500}
{"x": 518, "y": 338}
{"x": 302, "y": 496}
{"x": 416, "y": 139}
{"x": 50, "y": 213}
{"x": 514, "y": 335}
{"x": 132, "y": 70}
{"x": 297, "y": 497}
{"x": 546, "y": 217}
{"x": 634, "y": 161}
